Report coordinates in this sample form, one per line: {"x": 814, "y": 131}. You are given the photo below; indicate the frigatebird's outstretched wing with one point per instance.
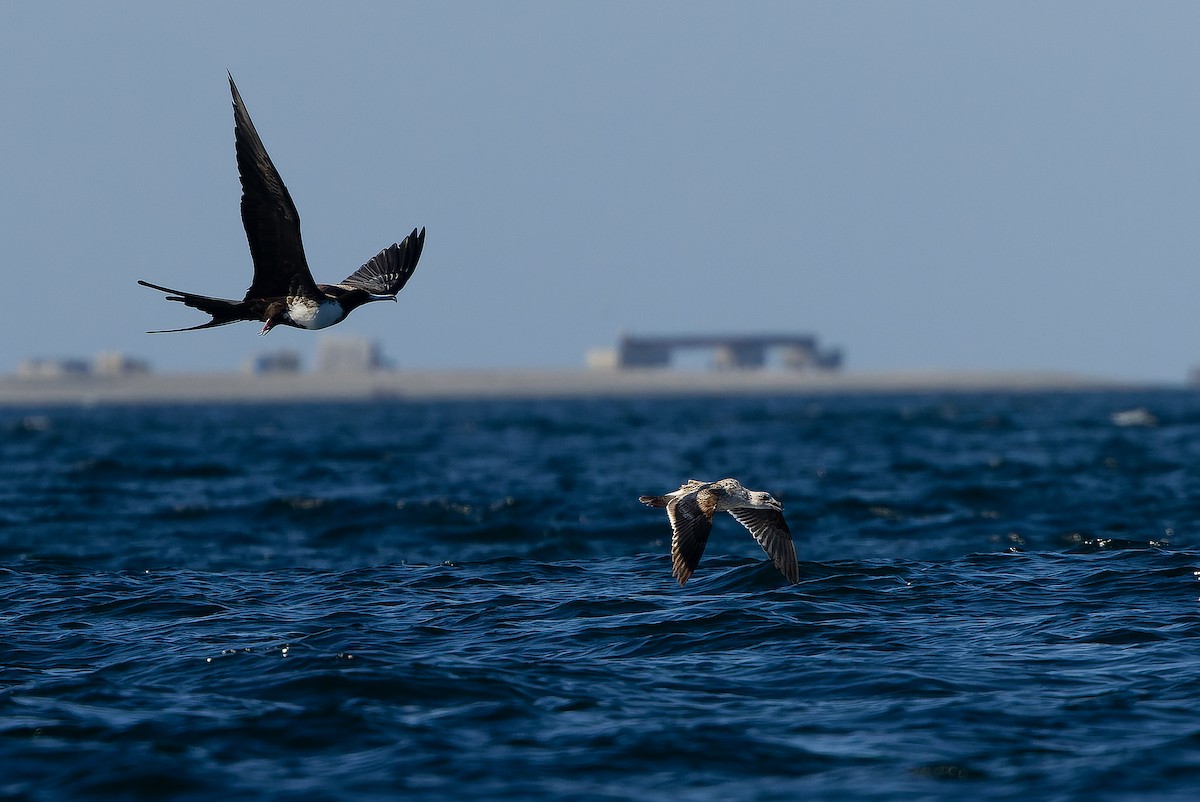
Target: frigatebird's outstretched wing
{"x": 271, "y": 221}
{"x": 389, "y": 271}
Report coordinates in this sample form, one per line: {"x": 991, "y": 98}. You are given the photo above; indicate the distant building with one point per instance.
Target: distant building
{"x": 114, "y": 363}
{"x": 349, "y": 355}
{"x": 108, "y": 363}
{"x": 728, "y": 352}
{"x": 285, "y": 361}
{"x": 601, "y": 359}
{"x": 53, "y": 368}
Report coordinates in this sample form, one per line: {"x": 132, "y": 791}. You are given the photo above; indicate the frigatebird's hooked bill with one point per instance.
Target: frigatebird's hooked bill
{"x": 283, "y": 291}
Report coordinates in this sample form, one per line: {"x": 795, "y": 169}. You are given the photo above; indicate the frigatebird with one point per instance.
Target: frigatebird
{"x": 283, "y": 291}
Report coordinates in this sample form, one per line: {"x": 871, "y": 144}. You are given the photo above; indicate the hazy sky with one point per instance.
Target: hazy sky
{"x": 927, "y": 185}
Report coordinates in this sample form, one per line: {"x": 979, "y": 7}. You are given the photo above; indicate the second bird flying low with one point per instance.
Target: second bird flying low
{"x": 691, "y": 509}
{"x": 283, "y": 292}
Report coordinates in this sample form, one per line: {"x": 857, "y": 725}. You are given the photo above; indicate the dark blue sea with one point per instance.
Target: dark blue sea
{"x": 465, "y": 600}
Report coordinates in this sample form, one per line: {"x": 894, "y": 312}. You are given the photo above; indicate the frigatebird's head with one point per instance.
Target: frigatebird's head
{"x": 273, "y": 316}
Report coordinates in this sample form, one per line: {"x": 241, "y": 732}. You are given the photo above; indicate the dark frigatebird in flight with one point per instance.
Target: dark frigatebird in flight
{"x": 283, "y": 291}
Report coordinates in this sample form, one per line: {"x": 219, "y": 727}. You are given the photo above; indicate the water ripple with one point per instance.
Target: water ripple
{"x": 998, "y": 597}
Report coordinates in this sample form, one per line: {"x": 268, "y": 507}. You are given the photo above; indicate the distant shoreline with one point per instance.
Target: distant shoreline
{"x": 166, "y": 388}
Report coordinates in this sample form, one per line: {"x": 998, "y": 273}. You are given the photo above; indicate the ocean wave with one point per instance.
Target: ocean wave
{"x": 997, "y": 596}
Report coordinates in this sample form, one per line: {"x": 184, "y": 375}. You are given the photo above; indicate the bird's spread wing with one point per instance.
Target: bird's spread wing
{"x": 271, "y": 221}
{"x": 691, "y": 521}
{"x": 388, "y": 272}
{"x": 772, "y": 533}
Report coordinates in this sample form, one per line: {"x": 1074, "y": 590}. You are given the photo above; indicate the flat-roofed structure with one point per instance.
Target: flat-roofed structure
{"x": 729, "y": 351}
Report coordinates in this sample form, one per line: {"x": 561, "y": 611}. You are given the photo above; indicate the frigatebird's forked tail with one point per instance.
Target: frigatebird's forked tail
{"x": 223, "y": 312}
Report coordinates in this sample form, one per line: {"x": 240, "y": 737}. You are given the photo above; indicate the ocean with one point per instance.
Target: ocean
{"x": 465, "y": 600}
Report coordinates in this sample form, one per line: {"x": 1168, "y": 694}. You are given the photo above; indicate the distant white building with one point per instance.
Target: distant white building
{"x": 107, "y": 363}
{"x": 601, "y": 359}
{"x": 114, "y": 363}
{"x": 348, "y": 355}
{"x": 52, "y": 368}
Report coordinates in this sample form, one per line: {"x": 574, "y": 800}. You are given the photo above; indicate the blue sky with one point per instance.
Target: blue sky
{"x": 927, "y": 185}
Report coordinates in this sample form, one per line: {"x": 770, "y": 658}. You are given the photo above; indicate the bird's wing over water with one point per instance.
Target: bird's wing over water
{"x": 773, "y": 534}
{"x": 691, "y": 522}
{"x": 388, "y": 272}
{"x": 271, "y": 221}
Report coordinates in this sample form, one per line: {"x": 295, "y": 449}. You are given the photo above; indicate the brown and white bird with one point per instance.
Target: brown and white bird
{"x": 283, "y": 292}
{"x": 691, "y": 508}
